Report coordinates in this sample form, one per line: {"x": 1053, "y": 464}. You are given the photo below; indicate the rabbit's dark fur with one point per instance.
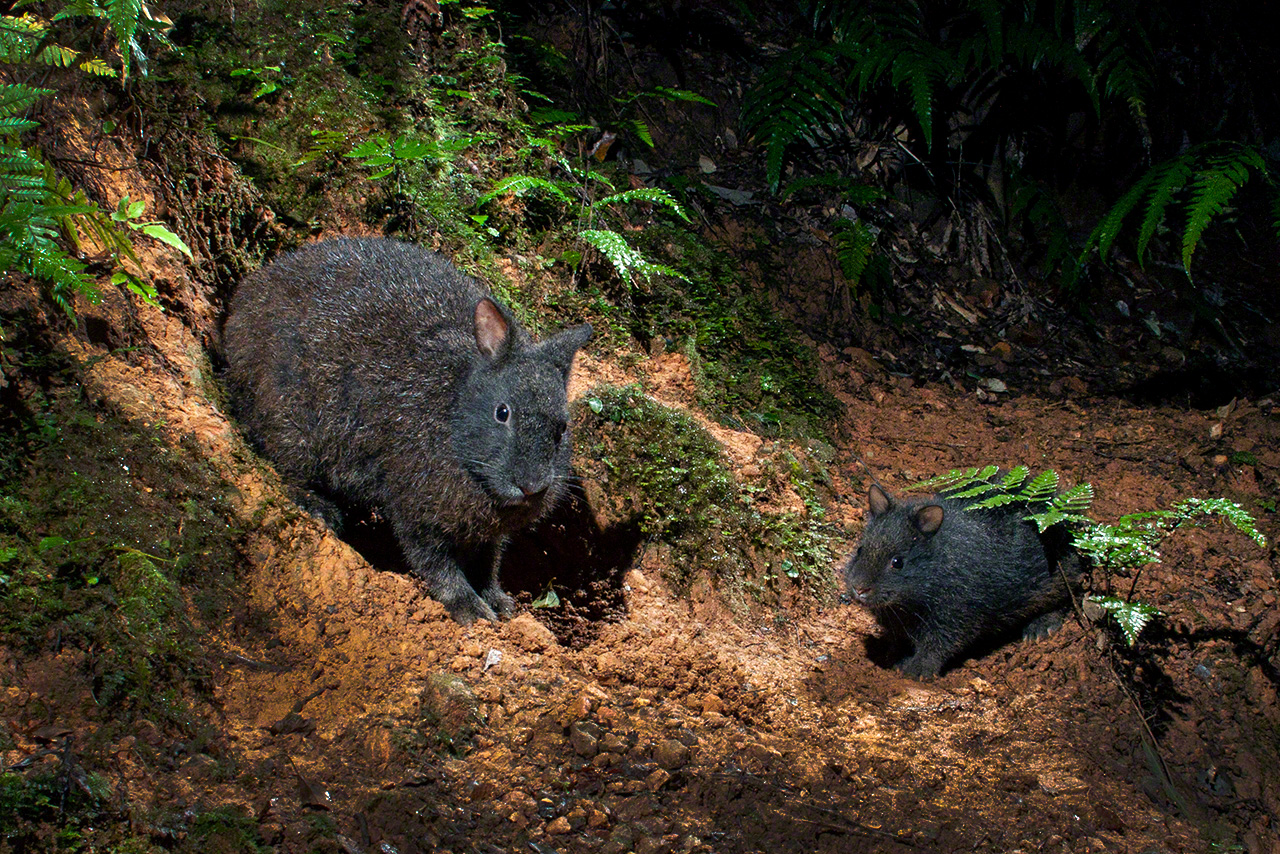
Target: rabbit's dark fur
{"x": 374, "y": 371}
{"x": 948, "y": 577}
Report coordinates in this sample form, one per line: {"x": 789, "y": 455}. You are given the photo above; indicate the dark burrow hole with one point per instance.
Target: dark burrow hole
{"x": 567, "y": 552}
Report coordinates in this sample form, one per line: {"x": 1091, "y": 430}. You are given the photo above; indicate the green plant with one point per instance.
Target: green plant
{"x": 37, "y": 207}
{"x": 1127, "y": 545}
{"x": 667, "y": 475}
{"x": 627, "y": 261}
{"x": 856, "y": 239}
{"x": 264, "y": 75}
{"x": 1201, "y": 181}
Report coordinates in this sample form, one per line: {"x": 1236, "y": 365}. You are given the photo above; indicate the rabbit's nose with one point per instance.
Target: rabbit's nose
{"x": 534, "y": 490}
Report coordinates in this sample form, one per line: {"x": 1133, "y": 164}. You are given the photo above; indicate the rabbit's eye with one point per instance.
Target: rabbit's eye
{"x": 560, "y": 429}
{"x": 896, "y": 563}
{"x": 501, "y": 414}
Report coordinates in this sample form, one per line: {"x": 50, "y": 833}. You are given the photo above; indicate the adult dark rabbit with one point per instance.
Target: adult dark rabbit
{"x": 373, "y": 371}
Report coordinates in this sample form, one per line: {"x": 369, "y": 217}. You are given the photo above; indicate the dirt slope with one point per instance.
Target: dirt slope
{"x": 351, "y": 714}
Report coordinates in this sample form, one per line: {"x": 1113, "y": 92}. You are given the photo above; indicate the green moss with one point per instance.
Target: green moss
{"x": 752, "y": 371}
{"x": 102, "y": 523}
{"x": 54, "y": 811}
{"x": 663, "y": 471}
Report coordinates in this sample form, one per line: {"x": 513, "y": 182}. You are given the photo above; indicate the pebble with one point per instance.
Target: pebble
{"x": 670, "y": 754}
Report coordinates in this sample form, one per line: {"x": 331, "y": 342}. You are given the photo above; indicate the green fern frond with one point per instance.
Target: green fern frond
{"x": 19, "y": 97}
{"x": 1015, "y": 477}
{"x": 520, "y": 184}
{"x": 651, "y": 195}
{"x": 1167, "y": 180}
{"x": 1108, "y": 229}
{"x": 123, "y": 16}
{"x": 14, "y": 125}
{"x": 640, "y": 130}
{"x": 1075, "y": 501}
{"x": 97, "y": 67}
{"x": 1132, "y": 617}
{"x": 1042, "y": 487}
{"x": 680, "y": 95}
{"x": 956, "y": 479}
{"x": 855, "y": 245}
{"x": 796, "y": 96}
{"x": 624, "y": 258}
{"x": 1214, "y": 187}
{"x": 1232, "y": 512}
{"x": 58, "y": 56}
{"x": 1204, "y": 179}
{"x": 999, "y": 500}
{"x": 851, "y": 190}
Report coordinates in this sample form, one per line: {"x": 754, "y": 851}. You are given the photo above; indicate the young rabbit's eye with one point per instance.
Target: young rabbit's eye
{"x": 896, "y": 563}
{"x": 560, "y": 430}
{"x": 501, "y": 414}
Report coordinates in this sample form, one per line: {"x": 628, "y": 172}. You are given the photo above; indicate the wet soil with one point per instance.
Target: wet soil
{"x": 343, "y": 711}
{"x": 349, "y": 713}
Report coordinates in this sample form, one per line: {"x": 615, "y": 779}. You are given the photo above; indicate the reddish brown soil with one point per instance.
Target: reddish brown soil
{"x": 351, "y": 714}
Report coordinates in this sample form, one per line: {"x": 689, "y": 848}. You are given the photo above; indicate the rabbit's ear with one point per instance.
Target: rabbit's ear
{"x": 561, "y": 348}
{"x": 878, "y": 501}
{"x": 492, "y": 329}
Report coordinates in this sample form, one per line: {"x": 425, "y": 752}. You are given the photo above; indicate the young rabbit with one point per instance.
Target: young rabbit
{"x": 948, "y": 577}
{"x": 374, "y": 371}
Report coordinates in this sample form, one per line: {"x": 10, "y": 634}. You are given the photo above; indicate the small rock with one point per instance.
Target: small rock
{"x": 670, "y": 754}
{"x": 585, "y": 738}
{"x": 614, "y": 743}
{"x": 712, "y": 703}
{"x": 558, "y": 826}
{"x": 657, "y": 779}
{"x": 529, "y": 634}
{"x": 448, "y": 701}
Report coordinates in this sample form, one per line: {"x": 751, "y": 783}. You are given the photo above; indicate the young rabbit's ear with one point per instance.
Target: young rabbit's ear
{"x": 493, "y": 329}
{"x": 928, "y": 519}
{"x": 561, "y": 348}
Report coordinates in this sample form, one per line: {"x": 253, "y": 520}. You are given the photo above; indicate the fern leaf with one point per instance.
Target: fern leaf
{"x": 641, "y": 131}
{"x": 519, "y": 185}
{"x": 795, "y": 96}
{"x": 975, "y": 491}
{"x": 955, "y": 479}
{"x": 1214, "y": 188}
{"x": 58, "y": 56}
{"x": 1229, "y": 510}
{"x": 1132, "y": 617}
{"x": 97, "y": 67}
{"x": 652, "y": 195}
{"x": 14, "y": 125}
{"x": 1075, "y": 501}
{"x": 1166, "y": 180}
{"x": 1106, "y": 231}
{"x": 1000, "y": 500}
{"x": 1015, "y": 477}
{"x": 855, "y": 244}
{"x": 123, "y": 16}
{"x": 1041, "y": 488}
{"x": 19, "y": 97}
{"x": 682, "y": 95}
{"x": 624, "y": 258}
